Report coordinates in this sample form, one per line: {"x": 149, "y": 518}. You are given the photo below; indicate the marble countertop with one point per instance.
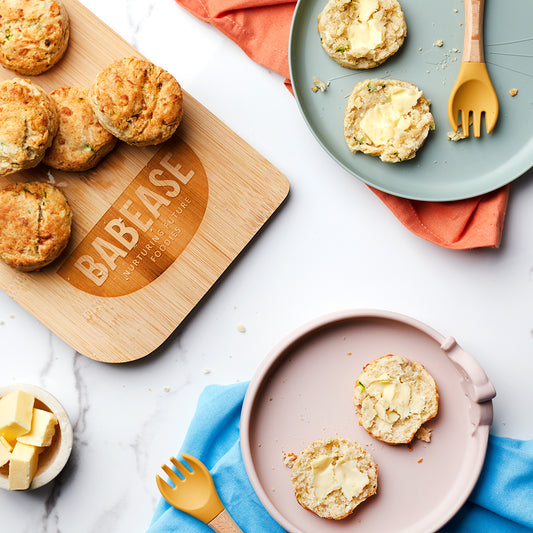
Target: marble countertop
{"x": 333, "y": 245}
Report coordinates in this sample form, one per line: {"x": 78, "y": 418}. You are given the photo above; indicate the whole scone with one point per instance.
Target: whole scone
{"x": 81, "y": 141}
{"x": 28, "y": 124}
{"x": 331, "y": 477}
{"x": 361, "y": 34}
{"x": 137, "y": 101}
{"x": 394, "y": 396}
{"x": 387, "y": 118}
{"x": 35, "y": 224}
{"x": 34, "y": 35}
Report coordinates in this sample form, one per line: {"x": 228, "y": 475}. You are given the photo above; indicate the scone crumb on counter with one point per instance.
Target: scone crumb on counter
{"x": 289, "y": 458}
{"x": 241, "y": 328}
{"x": 206, "y": 371}
{"x": 438, "y": 43}
{"x": 319, "y": 85}
{"x": 513, "y": 92}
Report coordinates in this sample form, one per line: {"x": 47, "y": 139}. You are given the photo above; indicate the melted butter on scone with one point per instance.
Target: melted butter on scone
{"x": 344, "y": 475}
{"x": 393, "y": 398}
{"x": 366, "y": 8}
{"x": 384, "y": 121}
{"x": 365, "y": 33}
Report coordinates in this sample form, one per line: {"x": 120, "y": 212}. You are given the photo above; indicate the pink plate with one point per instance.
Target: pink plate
{"x": 303, "y": 392}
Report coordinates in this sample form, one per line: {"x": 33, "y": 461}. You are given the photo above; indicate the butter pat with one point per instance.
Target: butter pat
{"x": 324, "y": 479}
{"x": 365, "y": 9}
{"x": 22, "y": 466}
{"x": 344, "y": 476}
{"x": 393, "y": 398}
{"x": 364, "y": 36}
{"x": 352, "y": 480}
{"x": 384, "y": 121}
{"x": 16, "y": 411}
{"x": 365, "y": 33}
{"x": 43, "y": 427}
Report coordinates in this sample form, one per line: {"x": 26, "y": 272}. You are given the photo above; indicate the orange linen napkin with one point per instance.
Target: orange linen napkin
{"x": 261, "y": 28}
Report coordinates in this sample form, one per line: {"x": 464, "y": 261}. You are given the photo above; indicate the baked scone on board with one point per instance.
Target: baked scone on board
{"x": 35, "y": 224}
{"x": 81, "y": 141}
{"x": 137, "y": 101}
{"x": 28, "y": 124}
{"x": 331, "y": 477}
{"x": 34, "y": 35}
{"x": 361, "y": 34}
{"x": 394, "y": 396}
{"x": 389, "y": 118}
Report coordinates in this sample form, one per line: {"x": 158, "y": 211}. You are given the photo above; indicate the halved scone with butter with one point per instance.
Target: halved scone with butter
{"x": 394, "y": 396}
{"x": 331, "y": 477}
{"x": 387, "y": 118}
{"x": 361, "y": 34}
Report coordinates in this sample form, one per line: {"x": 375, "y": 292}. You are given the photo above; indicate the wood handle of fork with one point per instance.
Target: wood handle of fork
{"x": 473, "y": 45}
{"x": 223, "y": 523}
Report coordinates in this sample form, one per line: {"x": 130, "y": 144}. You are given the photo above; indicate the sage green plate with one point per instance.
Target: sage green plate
{"x": 442, "y": 170}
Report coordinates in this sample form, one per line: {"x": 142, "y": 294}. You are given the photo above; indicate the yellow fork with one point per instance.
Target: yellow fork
{"x": 195, "y": 494}
{"x": 473, "y": 93}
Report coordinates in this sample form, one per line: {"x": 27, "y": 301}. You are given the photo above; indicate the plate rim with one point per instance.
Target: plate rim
{"x": 277, "y": 353}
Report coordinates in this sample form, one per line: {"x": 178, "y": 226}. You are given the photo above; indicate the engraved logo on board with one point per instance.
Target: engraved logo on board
{"x": 146, "y": 229}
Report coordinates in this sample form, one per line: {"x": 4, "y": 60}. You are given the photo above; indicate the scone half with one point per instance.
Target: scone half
{"x": 389, "y": 118}
{"x": 331, "y": 477}
{"x": 361, "y": 34}
{"x": 394, "y": 396}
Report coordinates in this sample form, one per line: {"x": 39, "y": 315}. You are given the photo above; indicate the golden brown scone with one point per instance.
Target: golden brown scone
{"x": 35, "y": 223}
{"x": 34, "y": 35}
{"x": 28, "y": 124}
{"x": 361, "y": 34}
{"x": 137, "y": 101}
{"x": 81, "y": 141}
{"x": 331, "y": 477}
{"x": 387, "y": 118}
{"x": 394, "y": 396}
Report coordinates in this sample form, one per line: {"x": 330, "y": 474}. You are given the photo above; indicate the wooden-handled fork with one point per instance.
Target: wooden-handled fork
{"x": 195, "y": 494}
{"x": 473, "y": 93}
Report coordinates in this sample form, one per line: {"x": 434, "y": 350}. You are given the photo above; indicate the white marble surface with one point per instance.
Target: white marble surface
{"x": 332, "y": 246}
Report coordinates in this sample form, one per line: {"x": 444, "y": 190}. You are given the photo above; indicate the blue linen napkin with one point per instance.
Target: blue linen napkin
{"x": 502, "y": 500}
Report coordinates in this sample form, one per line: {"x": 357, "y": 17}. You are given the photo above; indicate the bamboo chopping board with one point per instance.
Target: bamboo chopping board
{"x": 153, "y": 228}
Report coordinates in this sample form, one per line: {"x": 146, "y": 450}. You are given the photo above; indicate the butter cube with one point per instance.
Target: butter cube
{"x": 6, "y": 443}
{"x": 22, "y": 466}
{"x": 43, "y": 427}
{"x": 16, "y": 411}
{"x": 5, "y": 451}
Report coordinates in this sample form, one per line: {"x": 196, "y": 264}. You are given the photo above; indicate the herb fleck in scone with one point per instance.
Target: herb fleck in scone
{"x": 34, "y": 35}
{"x": 361, "y": 34}
{"x": 331, "y": 477}
{"x": 137, "y": 101}
{"x": 394, "y": 396}
{"x": 387, "y": 118}
{"x": 35, "y": 224}
{"x": 28, "y": 124}
{"x": 81, "y": 141}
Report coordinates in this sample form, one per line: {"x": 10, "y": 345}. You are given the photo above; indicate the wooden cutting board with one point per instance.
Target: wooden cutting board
{"x": 153, "y": 228}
